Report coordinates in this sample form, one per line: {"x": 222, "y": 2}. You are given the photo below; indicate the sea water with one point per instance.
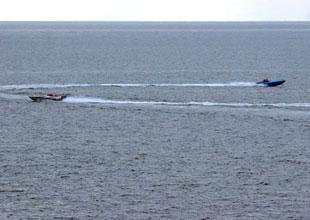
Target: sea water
{"x": 162, "y": 120}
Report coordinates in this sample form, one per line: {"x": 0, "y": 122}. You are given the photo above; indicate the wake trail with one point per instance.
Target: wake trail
{"x": 42, "y": 86}
{"x": 85, "y": 100}
{"x": 55, "y": 86}
{"x": 231, "y": 84}
{"x": 93, "y": 100}
{"x": 11, "y": 96}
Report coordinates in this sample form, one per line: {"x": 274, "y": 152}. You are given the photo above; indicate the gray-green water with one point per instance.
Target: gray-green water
{"x": 162, "y": 121}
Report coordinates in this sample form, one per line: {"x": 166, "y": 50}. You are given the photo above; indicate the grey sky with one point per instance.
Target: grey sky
{"x": 156, "y": 10}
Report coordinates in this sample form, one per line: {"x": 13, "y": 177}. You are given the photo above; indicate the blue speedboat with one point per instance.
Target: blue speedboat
{"x": 271, "y": 83}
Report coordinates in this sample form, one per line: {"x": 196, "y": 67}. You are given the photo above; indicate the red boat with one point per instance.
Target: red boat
{"x": 50, "y": 96}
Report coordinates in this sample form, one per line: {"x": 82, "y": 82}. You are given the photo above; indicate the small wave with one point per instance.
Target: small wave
{"x": 11, "y": 96}
{"x": 55, "y": 86}
{"x": 128, "y": 102}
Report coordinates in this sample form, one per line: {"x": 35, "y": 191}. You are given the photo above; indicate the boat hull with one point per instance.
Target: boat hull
{"x": 40, "y": 98}
{"x": 271, "y": 83}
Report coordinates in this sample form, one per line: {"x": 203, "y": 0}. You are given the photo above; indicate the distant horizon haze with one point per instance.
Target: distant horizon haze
{"x": 160, "y": 10}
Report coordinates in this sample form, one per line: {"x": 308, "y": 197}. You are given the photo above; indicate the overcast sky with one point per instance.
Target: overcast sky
{"x": 155, "y": 10}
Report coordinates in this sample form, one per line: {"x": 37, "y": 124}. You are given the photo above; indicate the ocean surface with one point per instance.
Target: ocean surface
{"x": 162, "y": 121}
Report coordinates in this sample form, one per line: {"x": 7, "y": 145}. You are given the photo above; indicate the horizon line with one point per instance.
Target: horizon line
{"x": 161, "y": 21}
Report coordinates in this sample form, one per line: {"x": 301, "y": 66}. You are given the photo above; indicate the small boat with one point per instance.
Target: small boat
{"x": 271, "y": 83}
{"x": 47, "y": 97}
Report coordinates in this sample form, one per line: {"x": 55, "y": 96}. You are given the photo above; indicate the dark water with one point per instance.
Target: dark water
{"x": 162, "y": 121}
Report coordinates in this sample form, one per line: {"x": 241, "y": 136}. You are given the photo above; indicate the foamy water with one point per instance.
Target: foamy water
{"x": 70, "y": 85}
{"x": 94, "y": 100}
{"x": 230, "y": 84}
{"x": 80, "y": 100}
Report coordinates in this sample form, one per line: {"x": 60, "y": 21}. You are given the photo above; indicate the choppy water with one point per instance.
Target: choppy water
{"x": 162, "y": 121}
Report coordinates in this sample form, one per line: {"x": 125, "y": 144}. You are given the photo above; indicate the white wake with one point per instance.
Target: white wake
{"x": 70, "y": 85}
{"x": 81, "y": 100}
